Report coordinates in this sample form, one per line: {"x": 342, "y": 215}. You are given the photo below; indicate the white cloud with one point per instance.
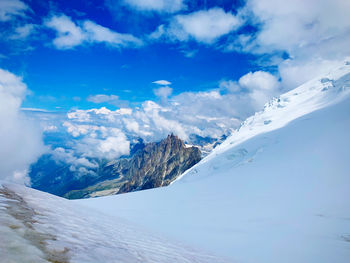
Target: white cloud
{"x": 163, "y": 92}
{"x": 78, "y": 130}
{"x": 20, "y": 139}
{"x": 212, "y": 113}
{"x": 259, "y": 80}
{"x": 315, "y": 34}
{"x": 201, "y": 113}
{"x": 70, "y": 34}
{"x": 205, "y": 26}
{"x": 68, "y": 156}
{"x": 50, "y": 128}
{"x": 167, "y": 6}
{"x": 309, "y": 22}
{"x": 95, "y": 141}
{"x": 229, "y": 85}
{"x": 298, "y": 71}
{"x": 106, "y": 134}
{"x": 22, "y": 32}
{"x": 79, "y": 115}
{"x": 262, "y": 86}
{"x": 12, "y": 8}
{"x": 115, "y": 146}
{"x": 162, "y": 82}
{"x": 97, "y": 33}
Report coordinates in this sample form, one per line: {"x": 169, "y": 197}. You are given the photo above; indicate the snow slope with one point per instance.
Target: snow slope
{"x": 37, "y": 227}
{"x": 277, "y": 190}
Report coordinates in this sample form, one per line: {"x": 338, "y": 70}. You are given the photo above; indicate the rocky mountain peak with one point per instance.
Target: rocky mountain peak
{"x": 150, "y": 165}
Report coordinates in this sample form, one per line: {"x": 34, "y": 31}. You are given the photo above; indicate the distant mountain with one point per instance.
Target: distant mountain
{"x": 150, "y": 165}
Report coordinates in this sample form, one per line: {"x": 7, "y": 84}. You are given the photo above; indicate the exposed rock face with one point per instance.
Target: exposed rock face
{"x": 151, "y": 165}
{"x": 158, "y": 164}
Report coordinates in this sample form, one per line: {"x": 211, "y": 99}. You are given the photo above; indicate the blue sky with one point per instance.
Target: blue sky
{"x": 63, "y": 77}
{"x": 69, "y": 51}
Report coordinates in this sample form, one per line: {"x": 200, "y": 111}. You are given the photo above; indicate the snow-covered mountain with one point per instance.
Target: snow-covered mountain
{"x": 277, "y": 190}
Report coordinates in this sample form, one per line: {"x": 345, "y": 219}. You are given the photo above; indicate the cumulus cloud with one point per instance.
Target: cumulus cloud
{"x": 204, "y": 26}
{"x": 167, "y": 6}
{"x": 262, "y": 86}
{"x": 309, "y": 22}
{"x": 191, "y": 113}
{"x": 9, "y": 9}
{"x": 90, "y": 144}
{"x": 206, "y": 114}
{"x": 71, "y": 34}
{"x": 229, "y": 85}
{"x": 107, "y": 134}
{"x": 98, "y": 141}
{"x": 78, "y": 164}
{"x": 314, "y": 34}
{"x": 256, "y": 88}
{"x": 20, "y": 139}
{"x": 163, "y": 92}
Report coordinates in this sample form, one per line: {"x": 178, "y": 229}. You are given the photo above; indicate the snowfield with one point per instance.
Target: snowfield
{"x": 38, "y": 227}
{"x": 277, "y": 190}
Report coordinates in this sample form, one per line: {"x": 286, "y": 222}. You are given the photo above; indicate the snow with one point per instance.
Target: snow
{"x": 39, "y": 227}
{"x": 311, "y": 96}
{"x": 278, "y": 189}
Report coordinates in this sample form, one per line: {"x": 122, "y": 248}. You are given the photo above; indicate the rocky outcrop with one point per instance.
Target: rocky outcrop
{"x": 153, "y": 165}
{"x": 150, "y": 165}
{"x": 158, "y": 164}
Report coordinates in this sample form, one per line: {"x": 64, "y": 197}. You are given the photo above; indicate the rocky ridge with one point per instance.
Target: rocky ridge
{"x": 150, "y": 165}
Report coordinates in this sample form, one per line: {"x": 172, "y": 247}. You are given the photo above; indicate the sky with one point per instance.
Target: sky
{"x": 63, "y": 71}
{"x": 69, "y": 51}
{"x": 105, "y": 72}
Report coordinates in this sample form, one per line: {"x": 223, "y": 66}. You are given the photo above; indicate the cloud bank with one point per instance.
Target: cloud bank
{"x": 20, "y": 139}
{"x": 314, "y": 35}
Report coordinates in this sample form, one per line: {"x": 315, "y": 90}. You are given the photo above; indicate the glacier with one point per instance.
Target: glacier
{"x": 276, "y": 190}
